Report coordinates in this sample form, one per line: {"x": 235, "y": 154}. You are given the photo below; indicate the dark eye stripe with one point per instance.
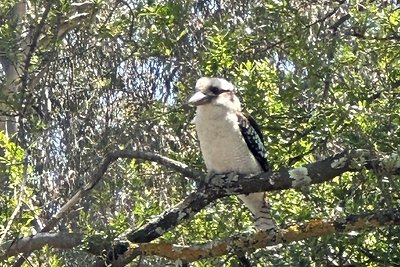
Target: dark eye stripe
{"x": 215, "y": 90}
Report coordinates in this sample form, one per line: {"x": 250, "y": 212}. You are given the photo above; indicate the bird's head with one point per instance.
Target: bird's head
{"x": 215, "y": 92}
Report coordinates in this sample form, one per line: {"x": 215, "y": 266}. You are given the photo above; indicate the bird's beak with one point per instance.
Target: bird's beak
{"x": 199, "y": 99}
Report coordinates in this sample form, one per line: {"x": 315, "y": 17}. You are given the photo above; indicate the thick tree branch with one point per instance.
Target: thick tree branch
{"x": 250, "y": 242}
{"x": 27, "y": 244}
{"x": 218, "y": 186}
{"x": 234, "y": 184}
{"x": 235, "y": 244}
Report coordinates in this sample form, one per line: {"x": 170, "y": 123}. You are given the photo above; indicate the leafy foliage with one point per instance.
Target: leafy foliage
{"x": 317, "y": 77}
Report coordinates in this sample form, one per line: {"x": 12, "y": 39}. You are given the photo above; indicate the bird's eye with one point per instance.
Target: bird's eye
{"x": 215, "y": 90}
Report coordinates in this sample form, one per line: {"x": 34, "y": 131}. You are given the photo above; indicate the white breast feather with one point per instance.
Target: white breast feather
{"x": 222, "y": 145}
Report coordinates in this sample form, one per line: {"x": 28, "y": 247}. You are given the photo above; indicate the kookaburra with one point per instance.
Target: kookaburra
{"x": 230, "y": 140}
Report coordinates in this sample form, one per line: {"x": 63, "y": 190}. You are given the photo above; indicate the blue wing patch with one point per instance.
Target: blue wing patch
{"x": 251, "y": 133}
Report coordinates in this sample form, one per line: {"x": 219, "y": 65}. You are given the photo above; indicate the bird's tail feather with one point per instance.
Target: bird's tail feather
{"x": 260, "y": 209}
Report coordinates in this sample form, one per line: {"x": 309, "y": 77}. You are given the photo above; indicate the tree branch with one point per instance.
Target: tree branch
{"x": 355, "y": 33}
{"x": 28, "y": 244}
{"x": 218, "y": 186}
{"x": 250, "y": 242}
{"x": 33, "y": 45}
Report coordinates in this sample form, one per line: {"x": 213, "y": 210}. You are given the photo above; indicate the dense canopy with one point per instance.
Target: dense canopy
{"x": 97, "y": 137}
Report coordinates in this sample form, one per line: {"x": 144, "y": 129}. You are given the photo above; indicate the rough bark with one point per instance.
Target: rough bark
{"x": 218, "y": 186}
{"x": 250, "y": 242}
{"x": 234, "y": 184}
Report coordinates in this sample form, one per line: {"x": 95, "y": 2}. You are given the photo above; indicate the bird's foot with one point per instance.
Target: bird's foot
{"x": 265, "y": 224}
{"x": 272, "y": 232}
{"x": 209, "y": 176}
{"x": 207, "y": 179}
